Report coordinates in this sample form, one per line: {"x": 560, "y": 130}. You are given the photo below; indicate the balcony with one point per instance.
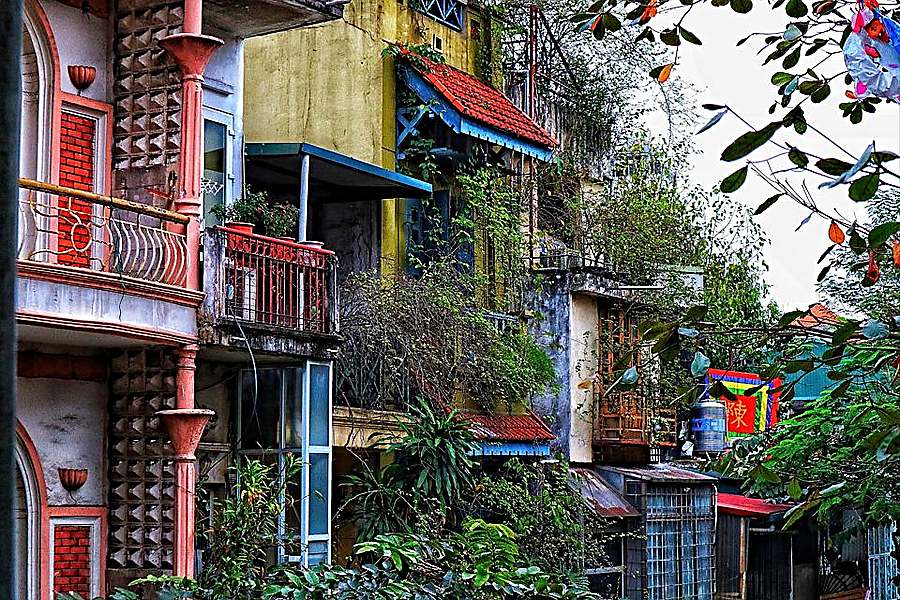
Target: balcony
{"x": 102, "y": 267}
{"x": 630, "y": 427}
{"x": 249, "y": 18}
{"x": 271, "y": 290}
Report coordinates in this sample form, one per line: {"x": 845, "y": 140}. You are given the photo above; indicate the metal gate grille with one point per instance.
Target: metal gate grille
{"x": 882, "y": 566}
{"x": 680, "y": 542}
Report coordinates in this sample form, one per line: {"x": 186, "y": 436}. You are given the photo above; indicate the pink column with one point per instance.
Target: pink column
{"x": 191, "y": 51}
{"x": 185, "y": 425}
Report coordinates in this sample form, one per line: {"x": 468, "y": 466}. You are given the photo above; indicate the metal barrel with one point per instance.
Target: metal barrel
{"x": 708, "y": 426}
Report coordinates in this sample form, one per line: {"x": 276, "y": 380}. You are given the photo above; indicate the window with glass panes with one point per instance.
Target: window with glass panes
{"x": 284, "y": 414}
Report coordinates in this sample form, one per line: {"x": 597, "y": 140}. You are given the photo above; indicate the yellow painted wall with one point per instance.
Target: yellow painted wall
{"x": 329, "y": 85}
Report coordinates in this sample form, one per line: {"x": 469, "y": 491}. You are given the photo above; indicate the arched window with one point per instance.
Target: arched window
{"x": 28, "y": 519}
{"x": 38, "y": 83}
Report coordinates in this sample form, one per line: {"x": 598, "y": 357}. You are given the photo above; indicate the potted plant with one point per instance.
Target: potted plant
{"x": 254, "y": 210}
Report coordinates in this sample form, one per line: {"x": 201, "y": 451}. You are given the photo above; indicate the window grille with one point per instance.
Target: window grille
{"x": 448, "y": 12}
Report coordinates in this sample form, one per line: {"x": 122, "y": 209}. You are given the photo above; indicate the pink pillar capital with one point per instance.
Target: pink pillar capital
{"x": 191, "y": 52}
{"x": 185, "y": 425}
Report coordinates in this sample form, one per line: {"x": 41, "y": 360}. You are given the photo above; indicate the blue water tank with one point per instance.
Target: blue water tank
{"x": 708, "y": 426}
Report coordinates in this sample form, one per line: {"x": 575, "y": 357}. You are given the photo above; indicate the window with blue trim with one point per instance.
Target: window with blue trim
{"x": 451, "y": 13}
{"x": 284, "y": 416}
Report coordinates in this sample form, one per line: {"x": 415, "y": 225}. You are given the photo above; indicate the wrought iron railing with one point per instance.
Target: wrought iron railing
{"x": 270, "y": 282}
{"x": 76, "y": 228}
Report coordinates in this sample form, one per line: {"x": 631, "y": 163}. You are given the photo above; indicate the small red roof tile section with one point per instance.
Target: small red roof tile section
{"x": 509, "y": 428}
{"x": 742, "y": 506}
{"x": 480, "y": 102}
{"x": 818, "y": 315}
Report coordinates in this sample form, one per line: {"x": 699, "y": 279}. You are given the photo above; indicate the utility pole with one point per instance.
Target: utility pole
{"x": 10, "y": 107}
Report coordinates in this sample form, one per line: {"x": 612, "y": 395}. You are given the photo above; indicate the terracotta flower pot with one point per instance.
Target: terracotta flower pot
{"x": 240, "y": 226}
{"x": 82, "y": 76}
{"x": 72, "y": 479}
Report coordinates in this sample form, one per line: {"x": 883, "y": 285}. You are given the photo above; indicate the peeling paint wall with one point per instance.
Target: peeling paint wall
{"x": 551, "y": 329}
{"x": 66, "y": 419}
{"x": 583, "y": 366}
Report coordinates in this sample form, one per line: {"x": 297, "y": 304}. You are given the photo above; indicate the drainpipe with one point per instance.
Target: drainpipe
{"x": 191, "y": 51}
{"x": 10, "y": 104}
{"x": 303, "y": 212}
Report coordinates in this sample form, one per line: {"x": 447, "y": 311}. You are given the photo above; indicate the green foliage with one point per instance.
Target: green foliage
{"x": 541, "y": 503}
{"x": 479, "y": 561}
{"x": 842, "y": 451}
{"x": 427, "y": 336}
{"x": 276, "y": 219}
{"x": 430, "y": 472}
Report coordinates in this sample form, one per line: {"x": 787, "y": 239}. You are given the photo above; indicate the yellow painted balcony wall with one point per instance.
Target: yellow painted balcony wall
{"x": 329, "y": 85}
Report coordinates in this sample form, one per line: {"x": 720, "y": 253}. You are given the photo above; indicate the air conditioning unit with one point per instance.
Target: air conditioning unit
{"x": 240, "y": 291}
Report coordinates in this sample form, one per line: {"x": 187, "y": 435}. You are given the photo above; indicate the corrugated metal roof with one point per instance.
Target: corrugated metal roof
{"x": 742, "y": 506}
{"x": 601, "y": 496}
{"x": 661, "y": 473}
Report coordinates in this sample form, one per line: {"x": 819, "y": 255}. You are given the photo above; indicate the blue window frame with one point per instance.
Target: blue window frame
{"x": 451, "y": 13}
{"x": 284, "y": 413}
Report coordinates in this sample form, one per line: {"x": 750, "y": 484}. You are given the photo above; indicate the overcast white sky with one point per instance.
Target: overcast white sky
{"x": 726, "y": 74}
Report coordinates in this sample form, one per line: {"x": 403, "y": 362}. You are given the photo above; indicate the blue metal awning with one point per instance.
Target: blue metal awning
{"x": 512, "y": 449}
{"x": 464, "y": 125}
{"x": 332, "y": 176}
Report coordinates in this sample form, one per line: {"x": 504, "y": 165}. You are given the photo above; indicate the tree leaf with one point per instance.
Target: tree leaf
{"x": 611, "y": 22}
{"x": 823, "y": 273}
{"x": 794, "y": 489}
{"x": 792, "y": 32}
{"x": 741, "y": 6}
{"x": 796, "y": 9}
{"x": 734, "y": 181}
{"x": 790, "y": 61}
{"x": 716, "y": 118}
{"x": 670, "y": 37}
{"x": 689, "y": 37}
{"x": 664, "y": 73}
{"x": 789, "y": 317}
{"x": 798, "y": 157}
{"x": 714, "y": 107}
{"x": 833, "y": 166}
{"x": 781, "y": 78}
{"x": 882, "y": 233}
{"x": 835, "y": 233}
{"x": 700, "y": 364}
{"x": 766, "y": 204}
{"x": 864, "y": 188}
{"x": 749, "y": 142}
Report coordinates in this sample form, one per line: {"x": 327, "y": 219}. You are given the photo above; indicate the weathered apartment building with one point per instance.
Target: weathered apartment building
{"x": 157, "y": 338}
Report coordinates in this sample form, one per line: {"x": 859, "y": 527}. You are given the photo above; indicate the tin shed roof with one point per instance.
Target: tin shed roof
{"x": 661, "y": 473}
{"x": 601, "y": 496}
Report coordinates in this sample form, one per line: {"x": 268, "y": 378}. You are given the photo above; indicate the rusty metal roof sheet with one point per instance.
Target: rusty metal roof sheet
{"x": 601, "y": 496}
{"x": 660, "y": 473}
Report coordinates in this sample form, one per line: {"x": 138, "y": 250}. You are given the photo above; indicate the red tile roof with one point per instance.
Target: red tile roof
{"x": 480, "y": 102}
{"x": 818, "y": 315}
{"x": 509, "y": 428}
{"x": 742, "y": 506}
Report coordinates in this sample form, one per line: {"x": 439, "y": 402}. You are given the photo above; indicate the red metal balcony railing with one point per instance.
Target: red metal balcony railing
{"x": 76, "y": 228}
{"x": 271, "y": 282}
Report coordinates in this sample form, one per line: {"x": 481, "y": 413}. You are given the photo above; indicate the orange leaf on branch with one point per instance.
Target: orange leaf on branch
{"x": 895, "y": 254}
{"x": 665, "y": 73}
{"x": 836, "y": 234}
{"x": 873, "y": 272}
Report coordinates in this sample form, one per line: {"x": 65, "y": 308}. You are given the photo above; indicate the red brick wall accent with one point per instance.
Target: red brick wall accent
{"x": 72, "y": 559}
{"x": 76, "y": 170}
